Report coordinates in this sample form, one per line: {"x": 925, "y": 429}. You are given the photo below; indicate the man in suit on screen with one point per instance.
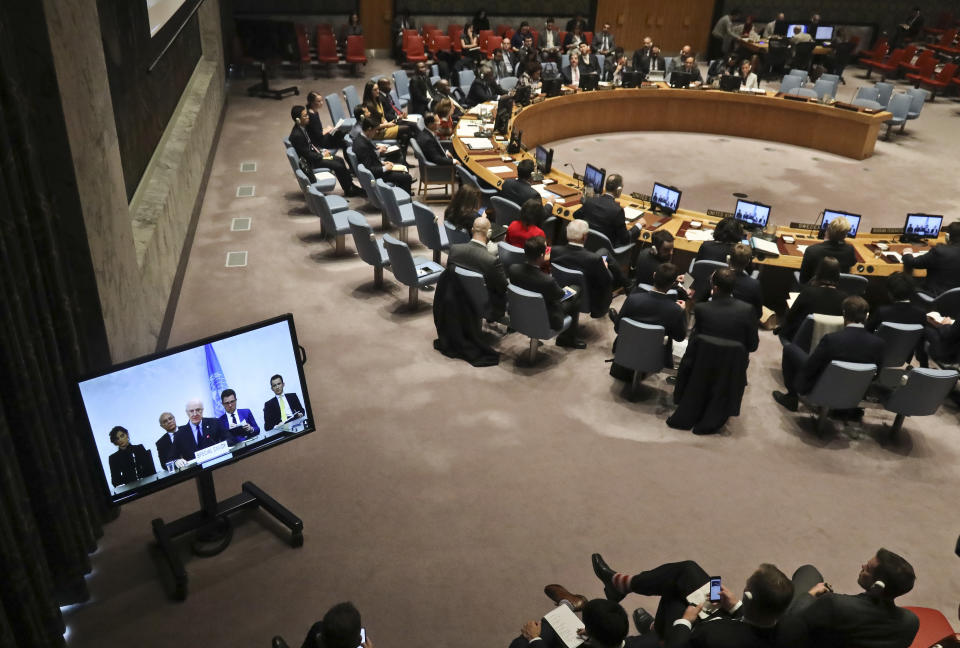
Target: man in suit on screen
{"x": 199, "y": 432}
{"x": 240, "y": 422}
{"x": 166, "y": 445}
{"x": 282, "y": 407}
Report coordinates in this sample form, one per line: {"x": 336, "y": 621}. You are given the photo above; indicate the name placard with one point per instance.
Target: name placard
{"x": 212, "y": 452}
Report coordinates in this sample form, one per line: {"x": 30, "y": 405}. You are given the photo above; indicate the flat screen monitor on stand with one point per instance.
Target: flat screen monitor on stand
{"x": 664, "y": 199}
{"x": 544, "y": 157}
{"x": 594, "y": 177}
{"x": 823, "y": 34}
{"x": 921, "y": 226}
{"x": 832, "y": 214}
{"x": 753, "y": 215}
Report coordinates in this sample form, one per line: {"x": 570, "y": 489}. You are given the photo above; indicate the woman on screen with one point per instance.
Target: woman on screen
{"x": 130, "y": 462}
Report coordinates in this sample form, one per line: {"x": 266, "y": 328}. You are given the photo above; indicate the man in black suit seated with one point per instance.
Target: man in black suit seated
{"x": 600, "y": 274}
{"x": 589, "y": 63}
{"x": 605, "y": 625}
{"x": 746, "y": 288}
{"x": 530, "y": 277}
{"x": 166, "y": 445}
{"x": 726, "y": 317}
{"x": 199, "y": 432}
{"x": 368, "y": 154}
{"x": 282, "y": 407}
{"x": 658, "y": 309}
{"x": 942, "y": 263}
{"x": 427, "y": 140}
{"x": 655, "y": 62}
{"x": 690, "y": 67}
{"x": 519, "y": 190}
{"x": 484, "y": 87}
{"x": 870, "y": 619}
{"x": 477, "y": 256}
{"x": 649, "y": 259}
{"x": 901, "y": 310}
{"x": 752, "y": 621}
{"x": 833, "y": 246}
{"x": 605, "y": 215}
{"x": 852, "y": 344}
{"x": 316, "y": 157}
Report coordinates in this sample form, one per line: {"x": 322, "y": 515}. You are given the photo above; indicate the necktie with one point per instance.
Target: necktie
{"x": 234, "y": 418}
{"x": 283, "y": 408}
{"x": 199, "y": 435}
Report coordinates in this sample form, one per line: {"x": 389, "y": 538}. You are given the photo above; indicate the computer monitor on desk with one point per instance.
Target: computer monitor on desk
{"x": 823, "y": 33}
{"x": 679, "y": 79}
{"x": 631, "y": 78}
{"x": 753, "y": 215}
{"x": 544, "y": 158}
{"x": 589, "y": 81}
{"x": 664, "y": 198}
{"x": 553, "y": 87}
{"x": 790, "y": 28}
{"x": 831, "y": 214}
{"x": 918, "y": 226}
{"x": 730, "y": 82}
{"x": 594, "y": 178}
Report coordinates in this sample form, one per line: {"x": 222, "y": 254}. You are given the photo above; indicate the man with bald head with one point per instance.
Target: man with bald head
{"x": 477, "y": 256}
{"x": 199, "y": 432}
{"x": 166, "y": 445}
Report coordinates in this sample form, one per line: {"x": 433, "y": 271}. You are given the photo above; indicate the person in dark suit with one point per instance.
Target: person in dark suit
{"x": 833, "y": 246}
{"x": 738, "y": 623}
{"x": 605, "y": 625}
{"x": 130, "y": 462}
{"x": 282, "y": 407}
{"x": 530, "y": 277}
{"x": 820, "y": 296}
{"x": 368, "y": 154}
{"x": 852, "y": 344}
{"x": 167, "y": 450}
{"x": 316, "y": 157}
{"x": 519, "y": 190}
{"x": 605, "y": 215}
{"x": 657, "y": 308}
{"x": 901, "y": 310}
{"x": 427, "y": 140}
{"x": 421, "y": 94}
{"x": 641, "y": 57}
{"x": 727, "y": 233}
{"x": 726, "y": 317}
{"x": 589, "y": 63}
{"x": 476, "y": 255}
{"x": 870, "y": 619}
{"x": 942, "y": 263}
{"x": 323, "y": 138}
{"x": 484, "y": 87}
{"x": 240, "y": 422}
{"x": 598, "y": 272}
{"x": 746, "y": 288}
{"x": 199, "y": 432}
{"x": 650, "y": 259}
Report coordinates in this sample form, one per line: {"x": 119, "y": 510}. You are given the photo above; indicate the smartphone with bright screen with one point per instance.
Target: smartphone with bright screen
{"x": 714, "y": 589}
{"x": 363, "y": 637}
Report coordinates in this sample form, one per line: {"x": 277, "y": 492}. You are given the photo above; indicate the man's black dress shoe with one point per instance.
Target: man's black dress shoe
{"x": 643, "y": 621}
{"x": 605, "y": 574}
{"x": 789, "y": 401}
{"x": 572, "y": 344}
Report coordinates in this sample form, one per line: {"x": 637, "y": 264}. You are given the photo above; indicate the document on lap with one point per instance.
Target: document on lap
{"x": 391, "y": 149}
{"x": 565, "y": 623}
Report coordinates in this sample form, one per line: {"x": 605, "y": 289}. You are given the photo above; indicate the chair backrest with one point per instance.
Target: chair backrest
{"x": 508, "y": 83}
{"x": 790, "y": 82}
{"x": 918, "y": 97}
{"x": 369, "y": 184}
{"x": 364, "y": 240}
{"x": 355, "y": 46}
{"x": 401, "y": 261}
{"x": 505, "y": 211}
{"x": 455, "y": 235}
{"x": 948, "y": 303}
{"x": 351, "y": 156}
{"x": 900, "y": 341}
{"x": 852, "y": 284}
{"x": 823, "y": 88}
{"x": 802, "y": 55}
{"x": 428, "y": 231}
{"x": 467, "y": 177}
{"x": 866, "y": 92}
{"x": 826, "y": 76}
{"x": 884, "y": 91}
{"x": 701, "y": 271}
{"x": 413, "y": 46}
{"x": 572, "y": 277}
{"x": 933, "y": 627}
{"x": 867, "y": 103}
{"x": 842, "y": 385}
{"x": 335, "y": 107}
{"x": 293, "y": 159}
{"x": 475, "y": 287}
{"x": 302, "y": 179}
{"x": 528, "y": 313}
{"x": 351, "y": 97}
{"x": 402, "y": 82}
{"x": 926, "y": 67}
{"x": 326, "y": 47}
{"x": 804, "y": 92}
{"x": 804, "y": 334}
{"x": 899, "y": 105}
{"x": 510, "y": 254}
{"x": 466, "y": 80}
{"x": 422, "y": 161}
{"x": 639, "y": 346}
{"x": 564, "y": 61}
{"x": 946, "y": 72}
{"x": 318, "y": 205}
{"x": 923, "y": 392}
{"x": 388, "y": 202}
{"x": 803, "y": 74}
{"x": 597, "y": 240}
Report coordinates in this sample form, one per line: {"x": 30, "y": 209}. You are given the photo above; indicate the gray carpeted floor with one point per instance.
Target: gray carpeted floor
{"x": 442, "y": 498}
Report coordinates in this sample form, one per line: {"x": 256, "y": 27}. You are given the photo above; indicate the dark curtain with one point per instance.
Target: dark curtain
{"x": 52, "y": 331}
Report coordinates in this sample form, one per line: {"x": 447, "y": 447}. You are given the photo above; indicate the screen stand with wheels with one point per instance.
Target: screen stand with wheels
{"x": 213, "y": 527}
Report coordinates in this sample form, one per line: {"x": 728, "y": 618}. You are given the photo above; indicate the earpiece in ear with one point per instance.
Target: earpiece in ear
{"x": 298, "y": 121}
{"x": 879, "y": 584}
{"x": 747, "y": 594}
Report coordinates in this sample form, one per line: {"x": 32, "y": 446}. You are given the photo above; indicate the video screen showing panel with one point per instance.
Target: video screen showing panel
{"x": 664, "y": 197}
{"x": 923, "y": 225}
{"x": 594, "y": 177}
{"x": 824, "y": 33}
{"x": 831, "y": 214}
{"x": 159, "y": 420}
{"x": 752, "y": 214}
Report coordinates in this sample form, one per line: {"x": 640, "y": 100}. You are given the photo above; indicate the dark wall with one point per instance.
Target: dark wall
{"x": 285, "y": 7}
{"x": 144, "y": 102}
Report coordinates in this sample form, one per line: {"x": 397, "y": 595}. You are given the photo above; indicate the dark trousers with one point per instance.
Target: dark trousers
{"x": 400, "y": 179}
{"x": 803, "y": 581}
{"x": 339, "y": 169}
{"x": 571, "y": 307}
{"x": 794, "y": 357}
{"x": 672, "y": 582}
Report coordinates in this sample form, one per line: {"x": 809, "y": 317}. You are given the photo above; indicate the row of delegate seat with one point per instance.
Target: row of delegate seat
{"x": 922, "y": 71}
{"x": 327, "y": 52}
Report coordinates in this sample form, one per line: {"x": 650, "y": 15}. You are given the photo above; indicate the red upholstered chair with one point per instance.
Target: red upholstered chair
{"x": 426, "y": 29}
{"x": 941, "y": 81}
{"x": 356, "y": 54}
{"x": 892, "y": 64}
{"x": 944, "y": 21}
{"x": 327, "y": 50}
{"x": 877, "y": 53}
{"x": 925, "y": 71}
{"x": 933, "y": 627}
{"x": 926, "y": 57}
{"x": 413, "y": 50}
{"x": 454, "y": 31}
{"x": 536, "y": 37}
{"x": 491, "y": 46}
{"x": 502, "y": 30}
{"x": 325, "y": 28}
{"x": 441, "y": 44}
{"x": 588, "y": 36}
{"x": 509, "y": 33}
{"x": 945, "y": 44}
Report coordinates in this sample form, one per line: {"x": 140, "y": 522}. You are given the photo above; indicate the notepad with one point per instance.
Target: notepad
{"x": 391, "y": 149}
{"x": 400, "y": 167}
{"x": 323, "y": 175}
{"x": 630, "y": 214}
{"x": 698, "y": 235}
{"x": 565, "y": 623}
{"x": 477, "y": 143}
{"x": 500, "y": 169}
{"x": 765, "y": 246}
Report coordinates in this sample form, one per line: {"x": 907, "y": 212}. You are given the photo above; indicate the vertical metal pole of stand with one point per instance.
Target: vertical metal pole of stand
{"x": 207, "y": 494}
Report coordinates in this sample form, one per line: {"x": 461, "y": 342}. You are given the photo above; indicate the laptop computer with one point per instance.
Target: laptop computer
{"x": 589, "y": 81}
{"x": 730, "y": 82}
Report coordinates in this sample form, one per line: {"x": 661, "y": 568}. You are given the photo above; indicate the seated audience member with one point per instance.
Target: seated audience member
{"x": 614, "y": 66}
{"x": 944, "y": 339}
{"x": 421, "y": 93}
{"x": 528, "y": 52}
{"x": 386, "y": 129}
{"x": 442, "y": 91}
{"x": 658, "y": 308}
{"x": 282, "y": 407}
{"x": 527, "y": 224}
{"x": 942, "y": 263}
{"x": 605, "y": 625}
{"x": 550, "y": 42}
{"x": 464, "y": 208}
{"x": 748, "y": 78}
{"x": 351, "y": 28}
{"x": 316, "y": 158}
{"x": 871, "y": 618}
{"x": 130, "y": 462}
{"x": 578, "y": 19}
{"x": 750, "y": 621}
{"x": 746, "y": 288}
{"x": 726, "y": 317}
{"x": 470, "y": 44}
{"x": 433, "y": 151}
{"x": 444, "y": 110}
{"x": 502, "y": 65}
{"x": 641, "y": 57}
{"x": 901, "y": 310}
{"x": 722, "y": 66}
{"x": 589, "y": 63}
{"x": 685, "y": 52}
{"x": 599, "y": 279}
{"x": 605, "y": 215}
{"x": 656, "y": 62}
{"x": 200, "y": 432}
{"x": 516, "y": 41}
{"x": 240, "y": 422}
{"x": 368, "y": 154}
{"x": 573, "y": 39}
{"x": 571, "y": 71}
{"x": 820, "y": 296}
{"x": 340, "y": 628}
{"x": 484, "y": 87}
{"x": 770, "y": 30}
{"x": 799, "y": 36}
{"x": 167, "y": 450}
{"x": 649, "y": 259}
{"x": 852, "y": 344}
{"x": 478, "y": 256}
{"x": 391, "y": 111}
{"x": 359, "y": 114}
{"x": 322, "y": 138}
{"x": 834, "y": 246}
{"x": 519, "y": 190}
{"x": 603, "y": 41}
{"x": 530, "y": 277}
{"x": 690, "y": 67}
{"x": 531, "y": 77}
{"x": 727, "y": 233}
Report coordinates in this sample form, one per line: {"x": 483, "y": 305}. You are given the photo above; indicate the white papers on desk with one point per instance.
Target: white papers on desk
{"x": 895, "y": 255}
{"x": 391, "y": 149}
{"x": 500, "y": 169}
{"x": 565, "y": 623}
{"x": 701, "y": 595}
{"x": 464, "y": 130}
{"x": 765, "y": 246}
{"x": 919, "y": 254}
{"x": 630, "y": 214}
{"x": 477, "y": 143}
{"x": 936, "y": 317}
{"x": 699, "y": 235}
{"x": 802, "y": 248}
{"x": 547, "y": 195}
{"x": 792, "y": 297}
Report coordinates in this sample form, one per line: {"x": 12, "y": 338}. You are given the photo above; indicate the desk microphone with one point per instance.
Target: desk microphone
{"x": 577, "y": 177}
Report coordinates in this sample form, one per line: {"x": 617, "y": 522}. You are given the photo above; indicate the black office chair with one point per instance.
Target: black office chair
{"x": 778, "y": 54}
{"x": 802, "y": 56}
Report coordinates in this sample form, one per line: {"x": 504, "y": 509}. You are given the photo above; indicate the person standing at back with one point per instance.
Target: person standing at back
{"x": 834, "y": 246}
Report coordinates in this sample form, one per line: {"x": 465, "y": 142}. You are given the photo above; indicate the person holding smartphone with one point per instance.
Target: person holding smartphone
{"x": 340, "y": 627}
